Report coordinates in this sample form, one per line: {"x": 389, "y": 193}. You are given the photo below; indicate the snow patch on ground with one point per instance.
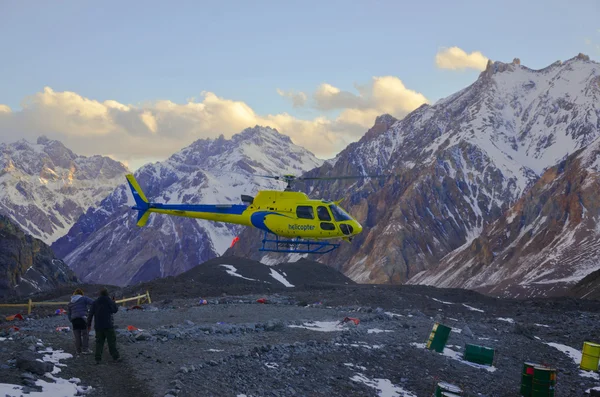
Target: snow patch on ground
{"x": 378, "y": 331}
{"x": 588, "y": 391}
{"x": 277, "y": 276}
{"x": 231, "y": 270}
{"x": 444, "y": 302}
{"x": 355, "y": 366}
{"x": 323, "y": 326}
{"x": 57, "y": 387}
{"x": 360, "y": 344}
{"x": 508, "y": 320}
{"x": 574, "y": 354}
{"x": 384, "y": 387}
{"x": 393, "y": 314}
{"x": 473, "y": 308}
{"x": 542, "y": 325}
{"x": 589, "y": 374}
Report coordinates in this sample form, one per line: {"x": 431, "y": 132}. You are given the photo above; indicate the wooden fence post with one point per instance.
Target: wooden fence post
{"x": 148, "y": 296}
{"x": 29, "y": 307}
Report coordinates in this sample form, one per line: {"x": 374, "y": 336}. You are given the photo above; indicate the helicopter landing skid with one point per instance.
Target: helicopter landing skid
{"x": 296, "y": 245}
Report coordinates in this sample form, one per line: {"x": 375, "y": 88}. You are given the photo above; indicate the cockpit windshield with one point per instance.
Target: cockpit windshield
{"x": 339, "y": 214}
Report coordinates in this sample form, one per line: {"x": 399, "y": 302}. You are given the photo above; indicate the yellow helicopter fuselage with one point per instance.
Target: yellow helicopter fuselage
{"x": 283, "y": 213}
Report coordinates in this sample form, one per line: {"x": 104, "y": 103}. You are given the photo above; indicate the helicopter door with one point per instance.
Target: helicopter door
{"x": 324, "y": 215}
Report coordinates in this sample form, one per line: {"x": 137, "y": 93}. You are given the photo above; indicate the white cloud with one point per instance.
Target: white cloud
{"x": 328, "y": 97}
{"x": 298, "y": 98}
{"x": 155, "y": 130}
{"x": 385, "y": 94}
{"x": 455, "y": 58}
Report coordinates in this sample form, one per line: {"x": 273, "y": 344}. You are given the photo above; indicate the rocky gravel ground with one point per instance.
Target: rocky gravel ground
{"x": 293, "y": 345}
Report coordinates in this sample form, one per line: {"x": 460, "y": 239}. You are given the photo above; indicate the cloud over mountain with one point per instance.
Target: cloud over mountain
{"x": 155, "y": 130}
{"x": 456, "y": 58}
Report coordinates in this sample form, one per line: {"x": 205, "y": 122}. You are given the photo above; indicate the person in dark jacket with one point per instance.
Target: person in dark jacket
{"x": 102, "y": 311}
{"x": 77, "y": 314}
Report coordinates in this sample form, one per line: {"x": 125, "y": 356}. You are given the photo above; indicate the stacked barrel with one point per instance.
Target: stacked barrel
{"x": 538, "y": 380}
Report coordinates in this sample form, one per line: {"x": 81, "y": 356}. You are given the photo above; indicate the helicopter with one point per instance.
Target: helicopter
{"x": 290, "y": 220}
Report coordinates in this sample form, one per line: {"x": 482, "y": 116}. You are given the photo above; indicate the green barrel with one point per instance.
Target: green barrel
{"x": 527, "y": 378}
{"x": 544, "y": 382}
{"x": 438, "y": 337}
{"x": 479, "y": 354}
{"x": 447, "y": 389}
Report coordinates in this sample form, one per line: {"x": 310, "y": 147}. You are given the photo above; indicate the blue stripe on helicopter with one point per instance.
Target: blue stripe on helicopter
{"x": 258, "y": 219}
{"x": 234, "y": 209}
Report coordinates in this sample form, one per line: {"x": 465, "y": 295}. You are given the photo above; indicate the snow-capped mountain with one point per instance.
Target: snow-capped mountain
{"x": 459, "y": 165}
{"x": 543, "y": 245}
{"x": 106, "y": 246}
{"x": 45, "y": 187}
{"x": 27, "y": 265}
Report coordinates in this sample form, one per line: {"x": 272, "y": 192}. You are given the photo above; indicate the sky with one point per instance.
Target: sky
{"x": 140, "y": 80}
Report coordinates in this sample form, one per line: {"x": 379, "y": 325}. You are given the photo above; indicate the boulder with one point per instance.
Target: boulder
{"x": 27, "y": 361}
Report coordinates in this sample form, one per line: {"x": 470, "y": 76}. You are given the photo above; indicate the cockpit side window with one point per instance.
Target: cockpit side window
{"x": 339, "y": 214}
{"x": 323, "y": 213}
{"x": 305, "y": 212}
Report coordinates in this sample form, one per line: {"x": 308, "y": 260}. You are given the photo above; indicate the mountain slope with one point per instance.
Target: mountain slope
{"x": 545, "y": 243}
{"x": 462, "y": 163}
{"x": 27, "y": 265}
{"x": 106, "y": 246}
{"x": 45, "y": 187}
{"x": 234, "y": 276}
{"x": 588, "y": 287}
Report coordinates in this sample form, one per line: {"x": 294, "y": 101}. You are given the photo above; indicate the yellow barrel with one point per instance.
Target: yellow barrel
{"x": 590, "y": 356}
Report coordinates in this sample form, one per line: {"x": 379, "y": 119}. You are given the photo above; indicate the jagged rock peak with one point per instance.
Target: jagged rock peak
{"x": 493, "y": 67}
{"x": 386, "y": 119}
{"x": 42, "y": 140}
{"x": 258, "y": 131}
{"x": 582, "y": 57}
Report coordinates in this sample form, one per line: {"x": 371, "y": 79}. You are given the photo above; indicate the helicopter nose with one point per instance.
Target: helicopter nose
{"x": 357, "y": 228}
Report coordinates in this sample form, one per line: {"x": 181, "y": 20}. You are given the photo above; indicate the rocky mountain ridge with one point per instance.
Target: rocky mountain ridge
{"x": 27, "y": 265}
{"x": 543, "y": 245}
{"x": 45, "y": 187}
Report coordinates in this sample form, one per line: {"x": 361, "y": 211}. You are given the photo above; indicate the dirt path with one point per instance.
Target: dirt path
{"x": 108, "y": 379}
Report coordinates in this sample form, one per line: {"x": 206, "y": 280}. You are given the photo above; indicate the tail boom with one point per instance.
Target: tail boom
{"x": 231, "y": 213}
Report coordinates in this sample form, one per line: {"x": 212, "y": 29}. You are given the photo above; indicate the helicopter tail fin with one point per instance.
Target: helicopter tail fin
{"x": 141, "y": 202}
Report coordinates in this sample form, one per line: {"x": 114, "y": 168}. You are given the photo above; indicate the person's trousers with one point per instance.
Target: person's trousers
{"x": 81, "y": 340}
{"x": 111, "y": 338}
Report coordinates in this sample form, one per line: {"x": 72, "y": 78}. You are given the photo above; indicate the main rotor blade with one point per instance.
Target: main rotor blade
{"x": 267, "y": 176}
{"x": 344, "y": 177}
